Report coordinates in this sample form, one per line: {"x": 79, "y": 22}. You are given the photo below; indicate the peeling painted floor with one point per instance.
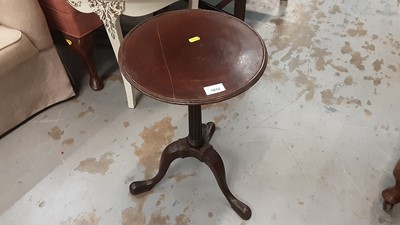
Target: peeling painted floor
{"x": 313, "y": 142}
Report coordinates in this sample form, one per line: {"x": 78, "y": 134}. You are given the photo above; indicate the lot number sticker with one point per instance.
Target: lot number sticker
{"x": 213, "y": 89}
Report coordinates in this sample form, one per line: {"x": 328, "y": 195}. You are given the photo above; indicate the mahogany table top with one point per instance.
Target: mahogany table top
{"x": 190, "y": 56}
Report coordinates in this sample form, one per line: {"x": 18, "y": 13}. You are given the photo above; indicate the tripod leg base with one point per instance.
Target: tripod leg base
{"x": 170, "y": 153}
{"x": 207, "y": 154}
{"x": 391, "y": 195}
{"x": 215, "y": 163}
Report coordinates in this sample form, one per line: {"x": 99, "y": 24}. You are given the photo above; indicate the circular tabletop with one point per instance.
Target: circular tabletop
{"x": 192, "y": 57}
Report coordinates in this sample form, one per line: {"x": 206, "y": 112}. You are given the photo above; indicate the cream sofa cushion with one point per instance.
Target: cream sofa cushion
{"x": 9, "y": 37}
{"x": 14, "y": 48}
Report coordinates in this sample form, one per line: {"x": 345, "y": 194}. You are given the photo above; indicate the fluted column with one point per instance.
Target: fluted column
{"x": 195, "y": 138}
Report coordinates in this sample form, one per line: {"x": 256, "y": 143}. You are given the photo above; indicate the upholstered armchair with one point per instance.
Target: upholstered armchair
{"x": 32, "y": 76}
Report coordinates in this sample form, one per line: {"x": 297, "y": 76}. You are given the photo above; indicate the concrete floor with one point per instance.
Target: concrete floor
{"x": 313, "y": 142}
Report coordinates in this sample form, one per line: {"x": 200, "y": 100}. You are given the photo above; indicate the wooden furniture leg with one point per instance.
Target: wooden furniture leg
{"x": 84, "y": 48}
{"x": 195, "y": 145}
{"x": 392, "y": 195}
{"x": 239, "y": 10}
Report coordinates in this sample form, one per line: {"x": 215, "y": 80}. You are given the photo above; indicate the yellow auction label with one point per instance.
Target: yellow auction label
{"x": 194, "y": 39}
{"x": 68, "y": 41}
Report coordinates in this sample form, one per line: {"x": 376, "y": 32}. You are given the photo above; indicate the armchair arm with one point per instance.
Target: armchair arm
{"x": 28, "y": 17}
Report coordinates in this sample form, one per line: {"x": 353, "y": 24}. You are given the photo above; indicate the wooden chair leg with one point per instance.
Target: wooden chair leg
{"x": 84, "y": 48}
{"x": 239, "y": 10}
